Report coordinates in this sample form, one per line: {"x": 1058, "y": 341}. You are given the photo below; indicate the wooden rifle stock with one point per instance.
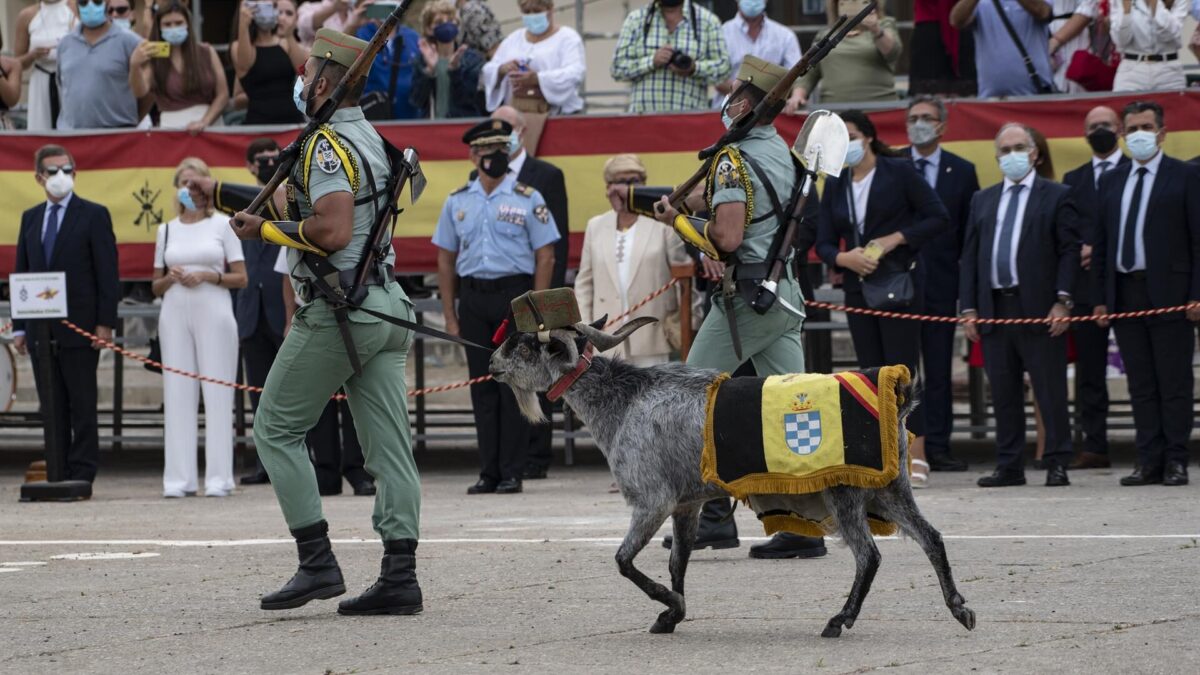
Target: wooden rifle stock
{"x": 768, "y": 108}
{"x": 362, "y": 65}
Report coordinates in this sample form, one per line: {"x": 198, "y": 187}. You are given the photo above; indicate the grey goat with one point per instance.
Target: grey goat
{"x": 648, "y": 423}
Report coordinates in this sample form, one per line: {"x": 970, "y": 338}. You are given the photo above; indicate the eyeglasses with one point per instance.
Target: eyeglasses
{"x": 53, "y": 170}
{"x": 923, "y": 118}
{"x": 119, "y": 11}
{"x": 631, "y": 182}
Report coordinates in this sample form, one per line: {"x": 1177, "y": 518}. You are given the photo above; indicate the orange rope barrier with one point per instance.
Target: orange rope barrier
{"x": 958, "y": 319}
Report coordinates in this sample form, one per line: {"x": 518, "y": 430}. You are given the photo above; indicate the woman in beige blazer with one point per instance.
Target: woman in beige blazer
{"x": 626, "y": 257}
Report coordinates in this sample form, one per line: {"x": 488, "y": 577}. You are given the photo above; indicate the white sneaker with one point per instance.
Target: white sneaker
{"x": 217, "y": 493}
{"x": 173, "y": 494}
{"x": 918, "y": 476}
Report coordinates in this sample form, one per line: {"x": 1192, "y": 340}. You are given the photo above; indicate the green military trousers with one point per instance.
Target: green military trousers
{"x": 771, "y": 340}
{"x": 311, "y": 366}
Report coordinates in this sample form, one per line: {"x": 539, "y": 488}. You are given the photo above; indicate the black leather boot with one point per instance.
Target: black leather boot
{"x": 319, "y": 576}
{"x": 396, "y": 591}
{"x": 717, "y": 529}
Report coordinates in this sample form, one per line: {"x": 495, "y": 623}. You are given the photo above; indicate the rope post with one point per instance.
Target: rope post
{"x": 683, "y": 274}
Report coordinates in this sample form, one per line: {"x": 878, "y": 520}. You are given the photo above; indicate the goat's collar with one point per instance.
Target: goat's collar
{"x": 564, "y": 383}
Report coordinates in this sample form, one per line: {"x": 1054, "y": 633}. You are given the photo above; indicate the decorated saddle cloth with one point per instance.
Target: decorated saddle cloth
{"x": 778, "y": 441}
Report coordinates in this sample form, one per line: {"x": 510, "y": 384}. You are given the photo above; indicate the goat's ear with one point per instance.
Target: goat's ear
{"x": 599, "y": 324}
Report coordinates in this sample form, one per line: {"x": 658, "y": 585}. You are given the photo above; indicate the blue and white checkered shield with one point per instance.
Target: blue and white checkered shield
{"x": 802, "y": 431}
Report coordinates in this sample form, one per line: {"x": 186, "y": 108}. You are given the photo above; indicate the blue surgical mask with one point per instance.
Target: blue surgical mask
{"x": 536, "y": 23}
{"x": 1015, "y": 165}
{"x": 127, "y": 24}
{"x": 514, "y": 143}
{"x": 855, "y": 152}
{"x": 752, "y": 8}
{"x": 176, "y": 35}
{"x": 92, "y": 15}
{"x": 185, "y": 199}
{"x": 726, "y": 119}
{"x": 445, "y": 32}
{"x": 1143, "y": 145}
{"x": 298, "y": 96}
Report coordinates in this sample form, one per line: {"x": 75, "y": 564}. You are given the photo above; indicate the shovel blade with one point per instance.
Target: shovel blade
{"x": 416, "y": 180}
{"x": 822, "y": 143}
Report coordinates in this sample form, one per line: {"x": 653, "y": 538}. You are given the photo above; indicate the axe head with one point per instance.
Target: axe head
{"x": 822, "y": 143}
{"x": 416, "y": 181}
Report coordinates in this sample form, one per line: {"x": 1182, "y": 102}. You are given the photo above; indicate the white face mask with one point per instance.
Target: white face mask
{"x": 60, "y": 185}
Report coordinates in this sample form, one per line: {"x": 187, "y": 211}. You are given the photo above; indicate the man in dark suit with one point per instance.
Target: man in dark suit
{"x": 1147, "y": 256}
{"x": 548, "y": 180}
{"x": 259, "y": 305}
{"x": 1101, "y": 126}
{"x": 70, "y": 234}
{"x": 1020, "y": 259}
{"x": 955, "y": 181}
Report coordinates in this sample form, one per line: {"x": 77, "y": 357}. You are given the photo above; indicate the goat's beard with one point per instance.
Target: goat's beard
{"x": 527, "y": 401}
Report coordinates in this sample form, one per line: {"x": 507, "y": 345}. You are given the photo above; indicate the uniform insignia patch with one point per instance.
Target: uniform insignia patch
{"x": 727, "y": 175}
{"x": 460, "y": 214}
{"x": 327, "y": 159}
{"x": 541, "y": 213}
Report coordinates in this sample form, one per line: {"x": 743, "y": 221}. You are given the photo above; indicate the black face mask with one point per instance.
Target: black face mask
{"x": 495, "y": 164}
{"x": 265, "y": 169}
{"x": 1102, "y": 140}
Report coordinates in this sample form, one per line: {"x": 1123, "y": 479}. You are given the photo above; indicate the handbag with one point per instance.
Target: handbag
{"x": 1095, "y": 68}
{"x": 890, "y": 286}
{"x": 155, "y": 345}
{"x": 1040, "y": 85}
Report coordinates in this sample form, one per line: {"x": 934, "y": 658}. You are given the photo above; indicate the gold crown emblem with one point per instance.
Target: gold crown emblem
{"x": 802, "y": 403}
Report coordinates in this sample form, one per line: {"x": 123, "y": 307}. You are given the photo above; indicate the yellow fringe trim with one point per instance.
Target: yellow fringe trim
{"x": 811, "y": 528}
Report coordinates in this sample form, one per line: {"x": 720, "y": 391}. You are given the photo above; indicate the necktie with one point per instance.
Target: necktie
{"x": 1104, "y": 167}
{"x": 922, "y": 166}
{"x": 1129, "y": 241}
{"x": 1004, "y": 271}
{"x": 51, "y": 232}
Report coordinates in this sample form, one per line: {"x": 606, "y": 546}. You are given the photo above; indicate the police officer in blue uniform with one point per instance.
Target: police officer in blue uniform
{"x": 495, "y": 241}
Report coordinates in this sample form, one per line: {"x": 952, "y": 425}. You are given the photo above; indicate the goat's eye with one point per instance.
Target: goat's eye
{"x": 523, "y": 350}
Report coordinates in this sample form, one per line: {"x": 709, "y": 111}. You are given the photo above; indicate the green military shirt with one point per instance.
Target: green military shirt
{"x": 730, "y": 176}
{"x": 332, "y": 161}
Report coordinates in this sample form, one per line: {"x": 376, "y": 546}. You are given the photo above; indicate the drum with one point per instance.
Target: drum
{"x": 8, "y": 377}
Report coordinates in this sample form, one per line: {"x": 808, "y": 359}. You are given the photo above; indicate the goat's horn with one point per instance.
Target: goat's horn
{"x": 604, "y": 341}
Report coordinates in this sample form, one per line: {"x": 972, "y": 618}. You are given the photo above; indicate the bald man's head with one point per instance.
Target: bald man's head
{"x": 514, "y": 117}
{"x": 1101, "y": 126}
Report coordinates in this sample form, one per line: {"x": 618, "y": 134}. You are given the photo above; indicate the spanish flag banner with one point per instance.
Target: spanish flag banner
{"x": 131, "y": 172}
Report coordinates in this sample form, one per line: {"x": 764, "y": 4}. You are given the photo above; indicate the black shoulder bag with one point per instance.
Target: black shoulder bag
{"x": 1042, "y": 86}
{"x": 890, "y": 286}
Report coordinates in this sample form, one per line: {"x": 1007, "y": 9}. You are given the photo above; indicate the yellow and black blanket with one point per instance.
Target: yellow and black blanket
{"x": 800, "y": 434}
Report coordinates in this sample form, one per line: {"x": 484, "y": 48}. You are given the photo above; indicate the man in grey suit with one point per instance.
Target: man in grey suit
{"x": 1020, "y": 258}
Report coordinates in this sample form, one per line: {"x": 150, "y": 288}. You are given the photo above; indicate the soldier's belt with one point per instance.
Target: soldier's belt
{"x": 346, "y": 278}
{"x": 288, "y": 233}
{"x": 229, "y": 198}
{"x": 694, "y": 231}
{"x": 642, "y": 199}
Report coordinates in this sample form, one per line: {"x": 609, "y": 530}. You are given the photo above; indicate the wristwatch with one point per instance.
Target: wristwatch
{"x": 1066, "y": 301}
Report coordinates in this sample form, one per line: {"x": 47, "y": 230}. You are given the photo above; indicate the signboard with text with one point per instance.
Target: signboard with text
{"x": 39, "y": 295}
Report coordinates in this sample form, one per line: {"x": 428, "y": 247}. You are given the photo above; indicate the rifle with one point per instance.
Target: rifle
{"x": 362, "y": 65}
{"x": 770, "y": 107}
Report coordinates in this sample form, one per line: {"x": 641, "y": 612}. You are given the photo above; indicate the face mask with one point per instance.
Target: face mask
{"x": 1015, "y": 165}
{"x": 176, "y": 35}
{"x": 536, "y": 23}
{"x": 1142, "y": 144}
{"x": 127, "y": 24}
{"x": 445, "y": 32}
{"x": 495, "y": 164}
{"x": 265, "y": 169}
{"x": 1102, "y": 141}
{"x": 266, "y": 17}
{"x": 855, "y": 152}
{"x": 922, "y": 133}
{"x": 60, "y": 185}
{"x": 752, "y": 8}
{"x": 514, "y": 143}
{"x": 298, "y": 96}
{"x": 92, "y": 15}
{"x": 185, "y": 199}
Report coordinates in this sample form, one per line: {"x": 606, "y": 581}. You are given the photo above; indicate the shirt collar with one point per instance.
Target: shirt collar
{"x": 352, "y": 114}
{"x": 1113, "y": 159}
{"x": 1151, "y": 166}
{"x": 935, "y": 159}
{"x": 65, "y": 201}
{"x": 515, "y": 164}
{"x": 1027, "y": 181}
{"x": 506, "y": 186}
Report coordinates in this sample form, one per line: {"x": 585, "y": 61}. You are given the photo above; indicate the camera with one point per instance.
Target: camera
{"x": 680, "y": 60}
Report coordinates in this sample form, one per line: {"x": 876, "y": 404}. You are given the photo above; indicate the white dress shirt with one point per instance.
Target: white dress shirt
{"x": 862, "y": 193}
{"x": 1140, "y": 231}
{"x": 1018, "y": 225}
{"x": 775, "y": 44}
{"x": 1140, "y": 33}
{"x": 517, "y": 163}
{"x": 1113, "y": 160}
{"x": 931, "y": 169}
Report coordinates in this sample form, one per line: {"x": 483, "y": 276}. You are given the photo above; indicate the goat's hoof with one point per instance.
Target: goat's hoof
{"x": 848, "y": 622}
{"x": 832, "y": 630}
{"x": 965, "y": 616}
{"x": 661, "y": 626}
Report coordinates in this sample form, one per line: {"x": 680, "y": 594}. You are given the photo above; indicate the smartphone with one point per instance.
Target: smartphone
{"x": 379, "y": 10}
{"x": 873, "y": 250}
{"x": 162, "y": 50}
{"x": 850, "y": 8}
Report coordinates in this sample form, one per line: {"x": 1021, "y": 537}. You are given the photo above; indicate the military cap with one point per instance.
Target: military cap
{"x": 540, "y": 311}
{"x": 338, "y": 47}
{"x": 761, "y": 74}
{"x": 488, "y": 132}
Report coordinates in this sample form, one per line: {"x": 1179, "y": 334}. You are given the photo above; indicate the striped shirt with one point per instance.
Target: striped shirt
{"x": 661, "y": 89}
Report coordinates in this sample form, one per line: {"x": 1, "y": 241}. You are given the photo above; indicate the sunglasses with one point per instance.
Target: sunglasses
{"x": 53, "y": 170}
{"x": 119, "y": 11}
{"x": 90, "y": 2}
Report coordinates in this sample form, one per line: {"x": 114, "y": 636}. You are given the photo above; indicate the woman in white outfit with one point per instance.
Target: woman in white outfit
{"x": 196, "y": 261}
{"x": 626, "y": 257}
{"x": 38, "y": 31}
{"x": 541, "y": 60}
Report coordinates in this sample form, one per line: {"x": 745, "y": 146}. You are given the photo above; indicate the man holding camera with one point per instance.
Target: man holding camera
{"x": 671, "y": 51}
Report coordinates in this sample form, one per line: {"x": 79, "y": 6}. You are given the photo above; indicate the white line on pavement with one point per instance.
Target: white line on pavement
{"x": 216, "y": 543}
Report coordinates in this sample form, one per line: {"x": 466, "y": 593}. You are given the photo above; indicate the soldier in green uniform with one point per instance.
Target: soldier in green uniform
{"x": 332, "y": 197}
{"x": 745, "y": 194}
